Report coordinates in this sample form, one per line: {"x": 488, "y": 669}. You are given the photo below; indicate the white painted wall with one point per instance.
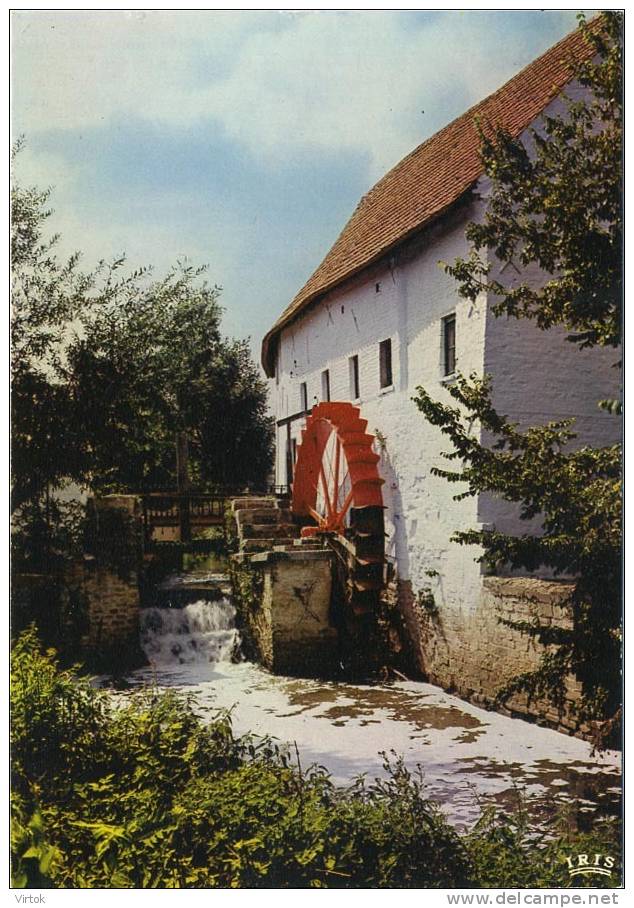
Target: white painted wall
{"x": 538, "y": 376}
{"x": 412, "y": 299}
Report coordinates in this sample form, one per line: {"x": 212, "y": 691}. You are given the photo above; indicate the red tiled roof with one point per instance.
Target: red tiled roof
{"x": 431, "y": 178}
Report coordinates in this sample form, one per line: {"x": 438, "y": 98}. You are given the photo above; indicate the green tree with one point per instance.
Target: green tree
{"x": 557, "y": 205}
{"x": 156, "y": 365}
{"x": 107, "y": 366}
{"x": 46, "y": 296}
{"x": 557, "y": 202}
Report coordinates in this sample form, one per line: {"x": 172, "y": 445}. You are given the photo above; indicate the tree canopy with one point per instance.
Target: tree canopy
{"x": 109, "y": 365}
{"x": 143, "y": 371}
{"x": 557, "y": 202}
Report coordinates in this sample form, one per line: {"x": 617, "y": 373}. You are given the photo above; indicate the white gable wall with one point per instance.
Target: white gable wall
{"x": 541, "y": 377}
{"x": 413, "y": 298}
{"x": 538, "y": 376}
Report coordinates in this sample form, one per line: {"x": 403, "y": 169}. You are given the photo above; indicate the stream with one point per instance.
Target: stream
{"x": 468, "y": 756}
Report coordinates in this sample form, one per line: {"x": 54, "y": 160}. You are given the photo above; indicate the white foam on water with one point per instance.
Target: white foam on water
{"x": 465, "y": 752}
{"x": 201, "y": 632}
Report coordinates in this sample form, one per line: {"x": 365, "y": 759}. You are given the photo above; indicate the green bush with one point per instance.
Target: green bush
{"x": 146, "y": 795}
{"x": 509, "y": 852}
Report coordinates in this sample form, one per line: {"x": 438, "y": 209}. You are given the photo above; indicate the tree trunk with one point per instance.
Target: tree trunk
{"x": 182, "y": 484}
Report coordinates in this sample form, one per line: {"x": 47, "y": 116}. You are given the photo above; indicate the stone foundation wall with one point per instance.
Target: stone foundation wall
{"x": 287, "y": 620}
{"x": 89, "y": 608}
{"x": 112, "y": 605}
{"x": 474, "y": 654}
{"x": 109, "y": 578}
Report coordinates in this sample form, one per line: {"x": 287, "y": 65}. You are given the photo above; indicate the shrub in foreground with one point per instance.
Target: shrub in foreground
{"x": 147, "y": 795}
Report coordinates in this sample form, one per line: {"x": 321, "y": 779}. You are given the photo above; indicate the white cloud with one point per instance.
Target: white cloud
{"x": 275, "y": 81}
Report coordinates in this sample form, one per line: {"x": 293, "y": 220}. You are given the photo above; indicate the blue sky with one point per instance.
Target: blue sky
{"x": 244, "y": 139}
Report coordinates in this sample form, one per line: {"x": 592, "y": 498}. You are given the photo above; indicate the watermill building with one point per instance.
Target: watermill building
{"x": 378, "y": 318}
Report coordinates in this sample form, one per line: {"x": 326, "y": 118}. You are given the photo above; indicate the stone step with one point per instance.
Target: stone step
{"x": 265, "y": 545}
{"x": 274, "y": 531}
{"x": 262, "y": 516}
{"x": 239, "y": 504}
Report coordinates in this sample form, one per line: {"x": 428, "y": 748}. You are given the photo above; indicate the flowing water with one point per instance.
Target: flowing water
{"x": 468, "y": 756}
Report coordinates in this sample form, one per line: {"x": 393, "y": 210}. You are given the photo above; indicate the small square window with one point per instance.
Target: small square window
{"x": 325, "y": 385}
{"x": 303, "y": 397}
{"x": 449, "y": 345}
{"x": 353, "y": 366}
{"x": 385, "y": 362}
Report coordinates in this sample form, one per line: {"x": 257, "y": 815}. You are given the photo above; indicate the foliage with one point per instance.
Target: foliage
{"x": 508, "y": 852}
{"x": 145, "y": 795}
{"x": 107, "y": 366}
{"x": 557, "y": 203}
{"x": 153, "y": 364}
{"x": 47, "y": 532}
{"x": 46, "y": 296}
{"x": 57, "y": 723}
{"x": 576, "y": 495}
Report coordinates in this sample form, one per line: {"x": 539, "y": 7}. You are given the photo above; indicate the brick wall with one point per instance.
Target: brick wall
{"x": 113, "y": 608}
{"x": 109, "y": 578}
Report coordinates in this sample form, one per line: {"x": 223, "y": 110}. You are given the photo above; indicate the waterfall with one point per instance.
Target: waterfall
{"x": 202, "y": 631}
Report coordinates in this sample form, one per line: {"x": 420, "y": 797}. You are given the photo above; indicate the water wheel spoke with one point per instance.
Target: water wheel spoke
{"x": 342, "y": 513}
{"x": 316, "y": 516}
{"x": 326, "y": 491}
{"x": 337, "y": 487}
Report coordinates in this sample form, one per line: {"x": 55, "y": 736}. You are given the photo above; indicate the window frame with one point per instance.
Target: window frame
{"x": 448, "y": 346}
{"x": 325, "y": 385}
{"x": 353, "y": 374}
{"x": 386, "y": 371}
{"x": 303, "y": 396}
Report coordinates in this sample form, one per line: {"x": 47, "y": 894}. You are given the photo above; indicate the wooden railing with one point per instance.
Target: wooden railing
{"x": 183, "y": 510}
{"x": 187, "y": 512}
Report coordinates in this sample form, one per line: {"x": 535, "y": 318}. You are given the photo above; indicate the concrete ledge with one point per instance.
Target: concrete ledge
{"x": 263, "y": 515}
{"x": 533, "y": 589}
{"x": 244, "y": 503}
{"x": 276, "y": 557}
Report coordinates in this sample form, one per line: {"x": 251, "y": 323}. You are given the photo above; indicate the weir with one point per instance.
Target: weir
{"x": 200, "y": 632}
{"x": 315, "y": 602}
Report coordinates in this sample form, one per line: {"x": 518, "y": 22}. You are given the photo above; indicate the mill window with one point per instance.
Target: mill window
{"x": 449, "y": 344}
{"x": 385, "y": 363}
{"x": 325, "y": 385}
{"x": 353, "y": 365}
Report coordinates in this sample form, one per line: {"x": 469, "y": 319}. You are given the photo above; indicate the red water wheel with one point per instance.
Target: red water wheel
{"x": 336, "y": 469}
{"x": 337, "y": 487}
